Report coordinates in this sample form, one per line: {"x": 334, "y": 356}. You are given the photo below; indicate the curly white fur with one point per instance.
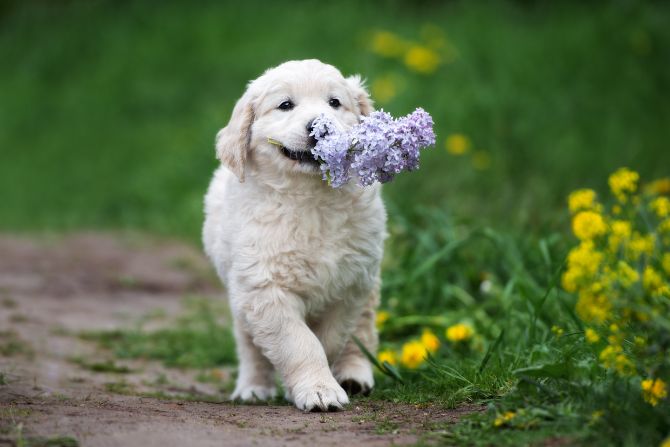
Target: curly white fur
{"x": 300, "y": 260}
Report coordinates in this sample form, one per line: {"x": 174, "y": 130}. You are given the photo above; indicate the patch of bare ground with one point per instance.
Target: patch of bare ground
{"x": 52, "y": 288}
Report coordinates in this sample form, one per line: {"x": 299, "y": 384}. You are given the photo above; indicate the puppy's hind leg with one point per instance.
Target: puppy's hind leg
{"x": 255, "y": 379}
{"x": 352, "y": 369}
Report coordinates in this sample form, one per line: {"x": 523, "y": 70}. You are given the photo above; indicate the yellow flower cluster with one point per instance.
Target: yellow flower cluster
{"x": 661, "y": 206}
{"x": 430, "y": 341}
{"x": 504, "y": 418}
{"x": 597, "y": 270}
{"x": 583, "y": 265}
{"x": 591, "y": 336}
{"x": 582, "y": 199}
{"x": 612, "y": 357}
{"x": 588, "y": 225}
{"x": 654, "y": 390}
{"x": 388, "y": 356}
{"x": 459, "y": 333}
{"x": 623, "y": 183}
{"x": 413, "y": 353}
{"x": 620, "y": 271}
{"x": 458, "y": 144}
{"x": 659, "y": 187}
{"x": 423, "y": 58}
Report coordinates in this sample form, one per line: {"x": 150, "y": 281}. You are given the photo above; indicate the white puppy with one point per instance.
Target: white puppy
{"x": 300, "y": 260}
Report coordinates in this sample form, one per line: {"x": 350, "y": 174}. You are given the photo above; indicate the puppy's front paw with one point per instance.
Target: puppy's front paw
{"x": 252, "y": 393}
{"x": 355, "y": 376}
{"x": 323, "y": 396}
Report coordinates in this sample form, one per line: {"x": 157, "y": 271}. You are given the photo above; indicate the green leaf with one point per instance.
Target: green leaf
{"x": 490, "y": 351}
{"x": 386, "y": 368}
{"x": 545, "y": 370}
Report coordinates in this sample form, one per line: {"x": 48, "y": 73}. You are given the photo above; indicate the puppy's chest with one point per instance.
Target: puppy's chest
{"x": 323, "y": 252}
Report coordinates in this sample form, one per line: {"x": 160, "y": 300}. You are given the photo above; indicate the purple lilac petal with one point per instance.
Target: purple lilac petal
{"x": 375, "y": 150}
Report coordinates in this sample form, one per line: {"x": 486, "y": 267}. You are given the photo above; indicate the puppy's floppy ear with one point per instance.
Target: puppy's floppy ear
{"x": 360, "y": 94}
{"x": 232, "y": 142}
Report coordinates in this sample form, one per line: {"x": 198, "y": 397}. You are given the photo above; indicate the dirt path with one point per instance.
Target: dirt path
{"x": 53, "y": 288}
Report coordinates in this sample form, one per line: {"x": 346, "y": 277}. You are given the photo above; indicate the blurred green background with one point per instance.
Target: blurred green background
{"x": 108, "y": 110}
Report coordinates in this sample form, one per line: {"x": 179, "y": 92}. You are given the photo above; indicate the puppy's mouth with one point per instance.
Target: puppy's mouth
{"x": 302, "y": 156}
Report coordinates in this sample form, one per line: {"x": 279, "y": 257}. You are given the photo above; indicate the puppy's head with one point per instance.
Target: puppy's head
{"x": 281, "y": 105}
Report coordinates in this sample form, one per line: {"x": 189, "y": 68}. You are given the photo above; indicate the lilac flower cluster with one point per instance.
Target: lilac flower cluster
{"x": 376, "y": 149}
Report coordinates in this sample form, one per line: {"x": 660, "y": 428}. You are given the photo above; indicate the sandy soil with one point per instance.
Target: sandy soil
{"x": 54, "y": 287}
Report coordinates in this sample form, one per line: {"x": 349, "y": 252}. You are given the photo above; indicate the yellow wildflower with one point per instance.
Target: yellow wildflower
{"x": 422, "y": 59}
{"x": 413, "y": 354}
{"x": 504, "y": 418}
{"x": 640, "y": 245}
{"x": 651, "y": 279}
{"x": 664, "y": 227}
{"x": 665, "y": 443}
{"x": 593, "y": 308}
{"x": 661, "y": 206}
{"x": 557, "y": 330}
{"x": 585, "y": 257}
{"x": 621, "y": 231}
{"x": 608, "y": 355}
{"x": 612, "y": 357}
{"x": 569, "y": 279}
{"x": 382, "y": 317}
{"x": 388, "y": 356}
{"x": 653, "y": 391}
{"x": 591, "y": 336}
{"x": 457, "y": 144}
{"x": 583, "y": 263}
{"x": 459, "y": 332}
{"x": 384, "y": 89}
{"x": 388, "y": 44}
{"x": 660, "y": 186}
{"x": 621, "y": 228}
{"x": 626, "y": 274}
{"x": 582, "y": 199}
{"x": 666, "y": 263}
{"x": 430, "y": 341}
{"x": 623, "y": 182}
{"x": 588, "y": 225}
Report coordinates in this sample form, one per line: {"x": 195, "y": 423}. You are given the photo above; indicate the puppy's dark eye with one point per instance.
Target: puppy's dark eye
{"x": 334, "y": 103}
{"x": 286, "y": 105}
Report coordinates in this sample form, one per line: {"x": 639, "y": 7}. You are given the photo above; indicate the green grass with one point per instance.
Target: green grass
{"x": 12, "y": 345}
{"x": 109, "y": 123}
{"x": 196, "y": 339}
{"x": 516, "y": 361}
{"x": 105, "y": 366}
